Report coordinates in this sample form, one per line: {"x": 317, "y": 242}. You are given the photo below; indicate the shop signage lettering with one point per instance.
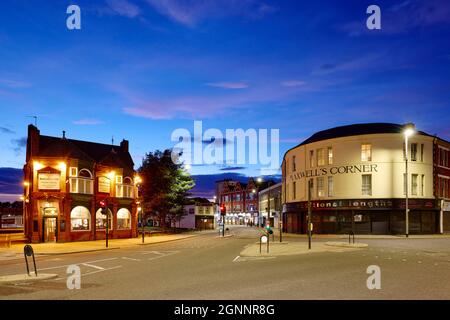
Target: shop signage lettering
{"x": 360, "y": 168}
{"x": 48, "y": 181}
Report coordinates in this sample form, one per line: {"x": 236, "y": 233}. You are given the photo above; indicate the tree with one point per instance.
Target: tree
{"x": 165, "y": 186}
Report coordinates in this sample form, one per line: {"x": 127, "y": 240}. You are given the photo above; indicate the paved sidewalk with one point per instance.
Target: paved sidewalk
{"x": 290, "y": 248}
{"x": 98, "y": 245}
{"x": 357, "y": 236}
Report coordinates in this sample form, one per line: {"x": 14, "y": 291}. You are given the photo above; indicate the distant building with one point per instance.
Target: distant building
{"x": 270, "y": 197}
{"x": 199, "y": 214}
{"x": 240, "y": 200}
{"x": 66, "y": 179}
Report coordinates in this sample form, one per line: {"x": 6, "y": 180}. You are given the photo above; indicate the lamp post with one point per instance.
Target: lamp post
{"x": 409, "y": 130}
{"x": 137, "y": 182}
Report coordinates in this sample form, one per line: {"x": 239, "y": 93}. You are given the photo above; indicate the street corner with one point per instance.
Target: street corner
{"x": 15, "y": 278}
{"x": 342, "y": 244}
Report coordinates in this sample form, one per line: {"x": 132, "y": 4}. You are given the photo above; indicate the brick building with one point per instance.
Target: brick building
{"x": 64, "y": 182}
{"x": 442, "y": 181}
{"x": 240, "y": 200}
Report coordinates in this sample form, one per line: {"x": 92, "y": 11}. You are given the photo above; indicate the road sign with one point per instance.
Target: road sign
{"x": 263, "y": 239}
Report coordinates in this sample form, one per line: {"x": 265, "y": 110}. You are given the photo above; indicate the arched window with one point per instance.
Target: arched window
{"x": 100, "y": 220}
{"x": 80, "y": 219}
{"x": 85, "y": 173}
{"x": 123, "y": 219}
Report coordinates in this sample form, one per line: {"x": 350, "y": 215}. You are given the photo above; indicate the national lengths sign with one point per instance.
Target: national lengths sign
{"x": 359, "y": 168}
{"x": 362, "y": 204}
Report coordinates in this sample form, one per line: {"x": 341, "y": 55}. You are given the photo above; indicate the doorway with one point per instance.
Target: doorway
{"x": 49, "y": 229}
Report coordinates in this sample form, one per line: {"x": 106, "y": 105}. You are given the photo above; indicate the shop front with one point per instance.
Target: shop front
{"x": 377, "y": 216}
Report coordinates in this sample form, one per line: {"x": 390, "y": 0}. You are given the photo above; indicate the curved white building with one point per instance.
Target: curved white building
{"x": 357, "y": 174}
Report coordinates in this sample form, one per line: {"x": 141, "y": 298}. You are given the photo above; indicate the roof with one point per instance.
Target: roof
{"x": 356, "y": 130}
{"x": 91, "y": 151}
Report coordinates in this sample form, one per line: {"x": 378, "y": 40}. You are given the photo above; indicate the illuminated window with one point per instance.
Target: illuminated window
{"x": 73, "y": 172}
{"x": 320, "y": 157}
{"x": 123, "y": 219}
{"x": 100, "y": 220}
{"x": 366, "y": 152}
{"x": 330, "y": 155}
{"x": 311, "y": 158}
{"x": 80, "y": 219}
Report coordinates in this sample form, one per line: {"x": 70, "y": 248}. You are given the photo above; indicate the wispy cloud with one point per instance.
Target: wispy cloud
{"x": 228, "y": 85}
{"x": 14, "y": 84}
{"x": 123, "y": 8}
{"x": 87, "y": 122}
{"x": 191, "y": 12}
{"x": 19, "y": 144}
{"x": 6, "y": 130}
{"x": 293, "y": 83}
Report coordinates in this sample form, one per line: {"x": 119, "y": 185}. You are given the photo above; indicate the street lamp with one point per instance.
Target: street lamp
{"x": 409, "y": 130}
{"x": 138, "y": 182}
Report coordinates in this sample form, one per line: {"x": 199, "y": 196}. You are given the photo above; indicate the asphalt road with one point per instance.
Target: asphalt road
{"x": 209, "y": 267}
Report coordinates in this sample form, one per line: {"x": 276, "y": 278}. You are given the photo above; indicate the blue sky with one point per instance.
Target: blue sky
{"x": 140, "y": 69}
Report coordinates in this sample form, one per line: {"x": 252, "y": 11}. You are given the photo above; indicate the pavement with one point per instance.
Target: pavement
{"x": 294, "y": 248}
{"x": 19, "y": 278}
{"x": 90, "y": 246}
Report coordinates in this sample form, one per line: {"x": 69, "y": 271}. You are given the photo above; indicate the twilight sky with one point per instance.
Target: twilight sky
{"x": 139, "y": 69}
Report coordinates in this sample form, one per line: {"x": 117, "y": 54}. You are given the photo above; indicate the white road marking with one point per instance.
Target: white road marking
{"x": 419, "y": 261}
{"x": 66, "y": 265}
{"x": 93, "y": 272}
{"x": 404, "y": 260}
{"x": 132, "y": 259}
{"x": 236, "y": 258}
{"x": 92, "y": 266}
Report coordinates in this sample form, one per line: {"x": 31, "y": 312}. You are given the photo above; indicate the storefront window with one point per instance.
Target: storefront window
{"x": 80, "y": 218}
{"x": 123, "y": 219}
{"x": 100, "y": 220}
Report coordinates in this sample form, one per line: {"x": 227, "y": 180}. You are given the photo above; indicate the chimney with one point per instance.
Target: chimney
{"x": 124, "y": 146}
{"x": 64, "y": 134}
{"x": 32, "y": 141}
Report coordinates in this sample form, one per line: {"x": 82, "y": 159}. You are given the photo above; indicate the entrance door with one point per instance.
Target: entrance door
{"x": 49, "y": 229}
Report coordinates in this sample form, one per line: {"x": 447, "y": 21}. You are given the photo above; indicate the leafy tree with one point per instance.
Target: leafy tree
{"x": 165, "y": 185}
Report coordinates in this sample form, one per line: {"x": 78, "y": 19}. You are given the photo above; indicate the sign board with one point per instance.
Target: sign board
{"x": 445, "y": 205}
{"x": 264, "y": 239}
{"x": 104, "y": 185}
{"x": 358, "y": 217}
{"x": 49, "y": 181}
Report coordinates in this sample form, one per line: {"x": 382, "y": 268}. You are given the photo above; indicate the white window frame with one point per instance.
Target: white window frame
{"x": 366, "y": 189}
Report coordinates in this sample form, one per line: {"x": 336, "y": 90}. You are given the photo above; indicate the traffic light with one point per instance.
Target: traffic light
{"x": 103, "y": 207}
{"x": 223, "y": 210}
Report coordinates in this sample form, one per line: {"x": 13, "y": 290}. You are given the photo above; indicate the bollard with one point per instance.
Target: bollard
{"x": 27, "y": 252}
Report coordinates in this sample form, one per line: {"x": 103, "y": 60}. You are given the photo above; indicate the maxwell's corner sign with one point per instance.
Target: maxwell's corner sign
{"x": 359, "y": 168}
